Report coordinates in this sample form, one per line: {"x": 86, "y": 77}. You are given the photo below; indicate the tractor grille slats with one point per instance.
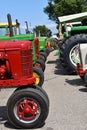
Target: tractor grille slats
{"x": 26, "y": 62}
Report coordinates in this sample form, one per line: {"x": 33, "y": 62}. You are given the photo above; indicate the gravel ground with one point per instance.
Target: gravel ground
{"x": 67, "y": 94}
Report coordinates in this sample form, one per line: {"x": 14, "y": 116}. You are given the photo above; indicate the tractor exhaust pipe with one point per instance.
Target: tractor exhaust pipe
{"x": 27, "y": 29}
{"x": 10, "y": 24}
{"x": 18, "y": 27}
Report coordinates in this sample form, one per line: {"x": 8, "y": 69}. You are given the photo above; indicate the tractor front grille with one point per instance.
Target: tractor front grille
{"x": 26, "y": 62}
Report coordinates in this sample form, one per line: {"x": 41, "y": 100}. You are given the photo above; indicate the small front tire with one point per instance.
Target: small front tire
{"x": 27, "y": 108}
{"x": 40, "y": 63}
{"x": 39, "y": 74}
{"x": 43, "y": 55}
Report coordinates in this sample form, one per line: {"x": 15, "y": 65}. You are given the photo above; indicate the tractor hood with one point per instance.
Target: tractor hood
{"x": 18, "y": 37}
{"x": 41, "y": 39}
{"x": 7, "y": 45}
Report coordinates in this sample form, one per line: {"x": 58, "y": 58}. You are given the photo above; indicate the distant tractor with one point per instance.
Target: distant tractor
{"x": 69, "y": 53}
{"x": 43, "y": 45}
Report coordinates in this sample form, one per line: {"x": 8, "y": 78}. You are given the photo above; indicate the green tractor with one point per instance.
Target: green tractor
{"x": 47, "y": 44}
{"x": 11, "y": 31}
{"x": 73, "y": 34}
{"x": 53, "y": 43}
{"x": 43, "y": 45}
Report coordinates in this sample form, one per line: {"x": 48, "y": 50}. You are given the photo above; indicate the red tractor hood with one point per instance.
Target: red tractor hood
{"x": 7, "y": 45}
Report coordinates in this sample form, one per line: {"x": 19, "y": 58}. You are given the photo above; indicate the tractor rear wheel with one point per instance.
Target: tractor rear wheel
{"x": 40, "y": 63}
{"x": 69, "y": 52}
{"x": 38, "y": 73}
{"x": 48, "y": 50}
{"x": 85, "y": 78}
{"x": 27, "y": 108}
{"x": 82, "y": 77}
{"x": 43, "y": 55}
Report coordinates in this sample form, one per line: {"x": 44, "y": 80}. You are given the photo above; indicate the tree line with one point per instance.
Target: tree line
{"x": 56, "y": 8}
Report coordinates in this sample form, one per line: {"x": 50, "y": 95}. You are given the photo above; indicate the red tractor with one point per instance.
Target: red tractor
{"x": 14, "y": 28}
{"x": 28, "y": 106}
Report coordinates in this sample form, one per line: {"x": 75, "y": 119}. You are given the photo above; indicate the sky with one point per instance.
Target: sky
{"x": 27, "y": 10}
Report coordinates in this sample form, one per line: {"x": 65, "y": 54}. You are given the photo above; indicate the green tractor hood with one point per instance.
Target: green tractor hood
{"x": 18, "y": 37}
{"x": 42, "y": 43}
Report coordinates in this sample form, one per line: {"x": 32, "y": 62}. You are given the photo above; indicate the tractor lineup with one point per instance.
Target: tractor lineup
{"x": 28, "y": 106}
{"x": 22, "y": 65}
{"x": 23, "y": 61}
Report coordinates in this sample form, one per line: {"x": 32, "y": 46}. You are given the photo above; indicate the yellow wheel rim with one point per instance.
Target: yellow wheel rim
{"x": 37, "y": 77}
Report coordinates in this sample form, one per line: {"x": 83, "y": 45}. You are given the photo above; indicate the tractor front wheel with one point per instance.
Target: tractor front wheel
{"x": 48, "y": 50}
{"x": 40, "y": 63}
{"x": 27, "y": 108}
{"x": 38, "y": 73}
{"x": 38, "y": 88}
{"x": 43, "y": 56}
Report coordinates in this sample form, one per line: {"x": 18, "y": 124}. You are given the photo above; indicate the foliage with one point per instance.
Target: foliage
{"x": 84, "y": 21}
{"x": 42, "y": 30}
{"x": 56, "y": 8}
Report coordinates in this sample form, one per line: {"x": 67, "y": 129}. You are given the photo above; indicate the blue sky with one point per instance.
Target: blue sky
{"x": 27, "y": 10}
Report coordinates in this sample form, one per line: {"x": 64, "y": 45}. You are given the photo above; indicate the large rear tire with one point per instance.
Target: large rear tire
{"x": 69, "y": 52}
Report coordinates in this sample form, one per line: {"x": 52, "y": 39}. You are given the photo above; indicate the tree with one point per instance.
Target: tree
{"x": 56, "y": 8}
{"x": 42, "y": 30}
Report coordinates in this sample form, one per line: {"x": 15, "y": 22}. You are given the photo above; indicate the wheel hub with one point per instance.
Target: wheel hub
{"x": 38, "y": 65}
{"x": 27, "y": 110}
{"x": 74, "y": 55}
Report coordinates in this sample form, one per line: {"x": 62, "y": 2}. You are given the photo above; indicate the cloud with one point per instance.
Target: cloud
{"x": 51, "y": 25}
{"x": 24, "y": 27}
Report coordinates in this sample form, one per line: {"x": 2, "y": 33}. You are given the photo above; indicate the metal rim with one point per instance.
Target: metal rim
{"x": 27, "y": 110}
{"x": 38, "y": 65}
{"x": 74, "y": 55}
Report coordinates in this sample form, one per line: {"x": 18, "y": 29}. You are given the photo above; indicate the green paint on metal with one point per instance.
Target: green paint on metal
{"x": 42, "y": 43}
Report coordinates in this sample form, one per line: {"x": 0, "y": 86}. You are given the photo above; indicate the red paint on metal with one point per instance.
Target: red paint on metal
{"x": 80, "y": 70}
{"x": 16, "y": 67}
{"x": 36, "y": 42}
{"x": 27, "y": 109}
